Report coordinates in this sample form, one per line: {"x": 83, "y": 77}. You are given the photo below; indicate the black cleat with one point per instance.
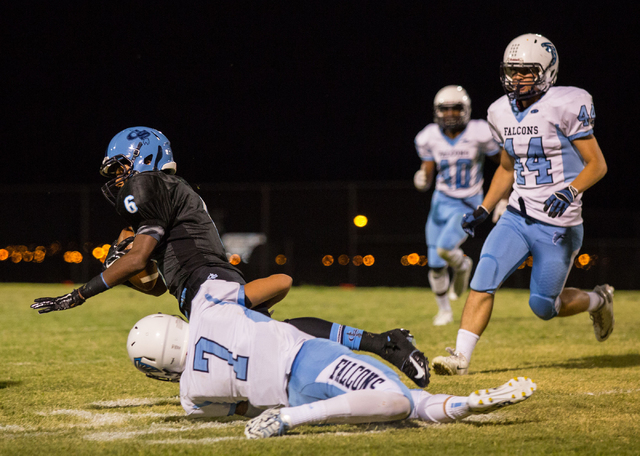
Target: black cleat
{"x": 399, "y": 350}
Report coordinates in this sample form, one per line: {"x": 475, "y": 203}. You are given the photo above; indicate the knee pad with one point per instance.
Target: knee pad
{"x": 439, "y": 280}
{"x": 544, "y": 307}
{"x": 453, "y": 257}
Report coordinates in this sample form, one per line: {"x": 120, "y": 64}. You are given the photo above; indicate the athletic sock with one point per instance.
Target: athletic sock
{"x": 443, "y": 303}
{"x": 595, "y": 301}
{"x": 346, "y": 335}
{"x": 466, "y": 343}
{"x": 438, "y": 408}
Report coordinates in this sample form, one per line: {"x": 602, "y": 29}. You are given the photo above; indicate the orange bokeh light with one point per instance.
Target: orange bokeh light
{"x": 327, "y": 260}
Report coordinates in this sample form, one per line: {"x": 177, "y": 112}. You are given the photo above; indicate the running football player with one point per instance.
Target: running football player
{"x": 452, "y": 150}
{"x": 550, "y": 157}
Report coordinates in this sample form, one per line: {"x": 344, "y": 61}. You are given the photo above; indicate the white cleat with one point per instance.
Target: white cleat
{"x": 460, "y": 282}
{"x": 515, "y": 390}
{"x": 456, "y": 364}
{"x": 443, "y": 318}
{"x": 602, "y": 318}
{"x": 269, "y": 423}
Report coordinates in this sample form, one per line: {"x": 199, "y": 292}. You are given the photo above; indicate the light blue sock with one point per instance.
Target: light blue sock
{"x": 346, "y": 335}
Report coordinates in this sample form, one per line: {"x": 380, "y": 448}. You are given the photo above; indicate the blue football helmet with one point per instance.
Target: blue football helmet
{"x": 135, "y": 150}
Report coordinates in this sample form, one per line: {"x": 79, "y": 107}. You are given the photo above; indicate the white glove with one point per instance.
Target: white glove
{"x": 499, "y": 210}
{"x": 420, "y": 180}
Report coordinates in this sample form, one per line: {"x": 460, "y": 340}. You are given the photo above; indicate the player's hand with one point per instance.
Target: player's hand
{"x": 499, "y": 210}
{"x": 557, "y": 203}
{"x": 470, "y": 221}
{"x": 116, "y": 251}
{"x": 420, "y": 180}
{"x": 68, "y": 301}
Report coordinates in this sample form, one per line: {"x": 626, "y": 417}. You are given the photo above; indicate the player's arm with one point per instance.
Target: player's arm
{"x": 268, "y": 291}
{"x": 122, "y": 270}
{"x": 423, "y": 178}
{"x": 500, "y": 186}
{"x": 595, "y": 168}
{"x": 501, "y": 182}
{"x": 595, "y": 164}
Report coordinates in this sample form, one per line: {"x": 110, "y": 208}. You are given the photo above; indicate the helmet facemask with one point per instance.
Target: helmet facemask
{"x": 453, "y": 122}
{"x": 513, "y": 85}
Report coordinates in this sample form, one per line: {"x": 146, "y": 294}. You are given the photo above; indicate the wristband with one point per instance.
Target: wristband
{"x": 93, "y": 287}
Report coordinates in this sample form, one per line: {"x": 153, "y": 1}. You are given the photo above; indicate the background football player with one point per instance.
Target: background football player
{"x": 174, "y": 230}
{"x": 550, "y": 157}
{"x": 452, "y": 150}
{"x": 231, "y": 360}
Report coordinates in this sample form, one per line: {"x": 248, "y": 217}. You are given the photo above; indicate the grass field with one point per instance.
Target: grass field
{"x": 67, "y": 386}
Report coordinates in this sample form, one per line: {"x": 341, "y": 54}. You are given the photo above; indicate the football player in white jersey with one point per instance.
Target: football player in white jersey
{"x": 452, "y": 150}
{"x": 232, "y": 360}
{"x": 550, "y": 157}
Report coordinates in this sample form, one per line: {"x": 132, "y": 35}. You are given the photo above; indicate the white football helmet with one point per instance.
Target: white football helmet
{"x": 449, "y": 97}
{"x": 535, "y": 54}
{"x": 157, "y": 346}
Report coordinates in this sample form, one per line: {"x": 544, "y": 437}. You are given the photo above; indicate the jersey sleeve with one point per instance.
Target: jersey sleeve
{"x": 577, "y": 114}
{"x": 144, "y": 203}
{"x": 495, "y": 133}
{"x": 486, "y": 143}
{"x": 422, "y": 145}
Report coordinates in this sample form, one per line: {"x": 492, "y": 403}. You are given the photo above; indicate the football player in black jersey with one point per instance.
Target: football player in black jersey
{"x": 173, "y": 229}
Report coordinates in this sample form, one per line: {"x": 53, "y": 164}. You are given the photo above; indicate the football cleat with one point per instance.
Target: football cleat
{"x": 455, "y": 364}
{"x": 461, "y": 276}
{"x": 443, "y": 318}
{"x": 515, "y": 390}
{"x": 400, "y": 351}
{"x": 269, "y": 423}
{"x": 602, "y": 318}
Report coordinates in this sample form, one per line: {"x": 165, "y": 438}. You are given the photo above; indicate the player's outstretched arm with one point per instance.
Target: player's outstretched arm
{"x": 501, "y": 182}
{"x": 120, "y": 271}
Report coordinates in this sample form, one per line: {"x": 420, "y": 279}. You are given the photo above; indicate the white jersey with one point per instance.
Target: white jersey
{"x": 539, "y": 139}
{"x": 235, "y": 354}
{"x": 460, "y": 161}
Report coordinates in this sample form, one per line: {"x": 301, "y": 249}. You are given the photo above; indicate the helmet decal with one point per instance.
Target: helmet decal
{"x": 141, "y": 134}
{"x": 549, "y": 47}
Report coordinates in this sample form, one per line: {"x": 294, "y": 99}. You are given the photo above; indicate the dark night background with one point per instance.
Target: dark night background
{"x": 313, "y": 91}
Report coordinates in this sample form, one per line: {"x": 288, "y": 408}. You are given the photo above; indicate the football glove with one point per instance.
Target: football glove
{"x": 68, "y": 301}
{"x": 116, "y": 251}
{"x": 557, "y": 203}
{"x": 420, "y": 180}
{"x": 470, "y": 221}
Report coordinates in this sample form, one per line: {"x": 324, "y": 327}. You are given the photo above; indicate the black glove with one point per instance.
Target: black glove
{"x": 470, "y": 221}
{"x": 116, "y": 251}
{"x": 68, "y": 301}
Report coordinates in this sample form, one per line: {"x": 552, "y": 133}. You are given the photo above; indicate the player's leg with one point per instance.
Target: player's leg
{"x": 503, "y": 251}
{"x": 395, "y": 346}
{"x": 553, "y": 257}
{"x": 439, "y": 283}
{"x": 438, "y": 273}
{"x": 331, "y": 384}
{"x": 443, "y": 408}
{"x": 452, "y": 237}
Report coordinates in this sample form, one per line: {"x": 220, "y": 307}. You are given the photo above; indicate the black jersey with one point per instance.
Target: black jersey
{"x": 189, "y": 246}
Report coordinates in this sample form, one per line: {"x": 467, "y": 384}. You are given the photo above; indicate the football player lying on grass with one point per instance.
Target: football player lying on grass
{"x": 173, "y": 229}
{"x": 232, "y": 360}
